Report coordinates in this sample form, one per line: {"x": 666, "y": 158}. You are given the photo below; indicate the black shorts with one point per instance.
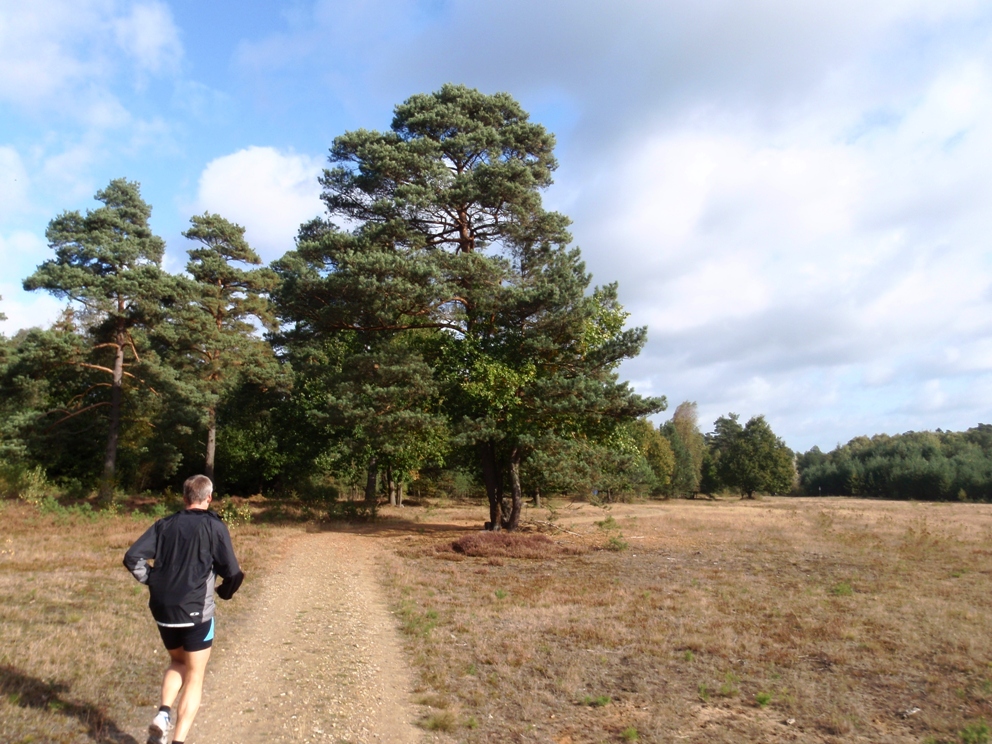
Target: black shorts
{"x": 191, "y": 638}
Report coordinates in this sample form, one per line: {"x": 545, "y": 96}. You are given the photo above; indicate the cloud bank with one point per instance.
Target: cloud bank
{"x": 793, "y": 197}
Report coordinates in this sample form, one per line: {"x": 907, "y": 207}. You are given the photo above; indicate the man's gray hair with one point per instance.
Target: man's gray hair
{"x": 197, "y": 489}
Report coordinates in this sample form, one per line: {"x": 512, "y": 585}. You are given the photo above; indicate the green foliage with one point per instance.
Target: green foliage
{"x": 235, "y": 513}
{"x": 729, "y": 686}
{"x": 617, "y": 544}
{"x": 751, "y": 458}
{"x": 608, "y": 524}
{"x": 976, "y": 732}
{"x": 436, "y": 320}
{"x": 597, "y": 701}
{"x": 763, "y": 699}
{"x": 941, "y": 466}
{"x": 210, "y": 339}
{"x": 451, "y": 259}
{"x": 108, "y": 263}
{"x": 350, "y": 511}
{"x": 24, "y": 482}
{"x": 657, "y": 453}
{"x": 416, "y": 622}
{"x": 630, "y": 734}
{"x": 688, "y": 447}
{"x": 843, "y": 589}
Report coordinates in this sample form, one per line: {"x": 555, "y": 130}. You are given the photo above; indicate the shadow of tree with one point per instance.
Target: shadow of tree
{"x": 28, "y": 692}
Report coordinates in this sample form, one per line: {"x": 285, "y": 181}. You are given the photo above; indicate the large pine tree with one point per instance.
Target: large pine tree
{"x": 214, "y": 338}
{"x": 448, "y": 234}
{"x": 108, "y": 261}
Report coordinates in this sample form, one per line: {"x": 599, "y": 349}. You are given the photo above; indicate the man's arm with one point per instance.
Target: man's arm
{"x": 136, "y": 558}
{"x": 226, "y": 565}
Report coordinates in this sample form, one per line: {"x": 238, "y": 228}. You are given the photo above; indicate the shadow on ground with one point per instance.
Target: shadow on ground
{"x": 393, "y": 527}
{"x": 28, "y": 692}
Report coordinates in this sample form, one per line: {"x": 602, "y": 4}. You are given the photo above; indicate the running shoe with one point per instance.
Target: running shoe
{"x": 158, "y": 730}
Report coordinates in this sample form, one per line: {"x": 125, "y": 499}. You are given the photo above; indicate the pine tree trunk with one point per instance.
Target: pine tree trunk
{"x": 116, "y": 390}
{"x": 391, "y": 486}
{"x": 208, "y": 468}
{"x": 370, "y": 483}
{"x": 537, "y": 498}
{"x": 494, "y": 486}
{"x": 399, "y": 494}
{"x": 513, "y": 521}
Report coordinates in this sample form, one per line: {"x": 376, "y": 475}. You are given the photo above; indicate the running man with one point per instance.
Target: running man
{"x": 189, "y": 550}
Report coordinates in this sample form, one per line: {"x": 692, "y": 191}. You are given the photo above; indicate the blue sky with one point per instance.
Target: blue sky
{"x": 795, "y": 198}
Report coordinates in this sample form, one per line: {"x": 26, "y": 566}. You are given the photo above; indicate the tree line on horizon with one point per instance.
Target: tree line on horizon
{"x": 433, "y": 331}
{"x": 927, "y": 465}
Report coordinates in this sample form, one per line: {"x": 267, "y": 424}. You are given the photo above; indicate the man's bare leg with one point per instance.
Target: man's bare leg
{"x": 172, "y": 682}
{"x": 195, "y": 663}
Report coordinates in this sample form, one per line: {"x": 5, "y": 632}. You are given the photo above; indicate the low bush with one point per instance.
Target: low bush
{"x": 510, "y": 545}
{"x": 28, "y": 484}
{"x": 235, "y": 512}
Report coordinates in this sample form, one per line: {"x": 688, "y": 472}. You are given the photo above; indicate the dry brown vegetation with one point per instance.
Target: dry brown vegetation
{"x": 80, "y": 659}
{"x": 508, "y": 545}
{"x": 805, "y": 620}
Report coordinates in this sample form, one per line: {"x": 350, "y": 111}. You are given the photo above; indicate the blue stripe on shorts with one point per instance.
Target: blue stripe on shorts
{"x": 210, "y": 633}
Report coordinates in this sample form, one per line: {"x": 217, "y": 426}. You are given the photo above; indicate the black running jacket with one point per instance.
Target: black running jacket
{"x": 190, "y": 550}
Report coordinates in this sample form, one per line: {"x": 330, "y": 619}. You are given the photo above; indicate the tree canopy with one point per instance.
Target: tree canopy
{"x": 212, "y": 331}
{"x": 751, "y": 458}
{"x": 108, "y": 262}
{"x": 925, "y": 465}
{"x": 446, "y": 234}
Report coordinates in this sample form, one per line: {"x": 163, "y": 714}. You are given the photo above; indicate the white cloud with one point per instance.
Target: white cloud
{"x": 20, "y": 243}
{"x": 830, "y": 282}
{"x": 54, "y": 51}
{"x": 268, "y": 192}
{"x": 68, "y": 172}
{"x": 149, "y": 36}
{"x": 26, "y": 309}
{"x": 40, "y": 47}
{"x": 20, "y": 253}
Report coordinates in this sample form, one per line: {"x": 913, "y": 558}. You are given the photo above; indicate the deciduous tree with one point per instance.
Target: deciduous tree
{"x": 752, "y": 458}
{"x": 688, "y": 445}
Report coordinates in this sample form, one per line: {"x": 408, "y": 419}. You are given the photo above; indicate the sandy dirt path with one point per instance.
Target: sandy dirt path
{"x": 318, "y": 658}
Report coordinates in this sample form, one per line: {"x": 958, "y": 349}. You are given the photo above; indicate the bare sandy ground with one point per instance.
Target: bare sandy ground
{"x": 317, "y": 659}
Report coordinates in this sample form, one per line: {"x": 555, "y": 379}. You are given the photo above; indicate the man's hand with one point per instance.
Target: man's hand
{"x": 230, "y": 585}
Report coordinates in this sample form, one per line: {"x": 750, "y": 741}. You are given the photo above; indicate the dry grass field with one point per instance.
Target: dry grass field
{"x": 779, "y": 620}
{"x": 79, "y": 654}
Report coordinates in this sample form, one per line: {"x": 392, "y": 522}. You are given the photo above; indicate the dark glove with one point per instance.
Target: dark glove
{"x": 230, "y": 585}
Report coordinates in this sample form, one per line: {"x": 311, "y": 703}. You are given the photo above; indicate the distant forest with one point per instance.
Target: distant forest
{"x": 941, "y": 465}
{"x": 434, "y": 333}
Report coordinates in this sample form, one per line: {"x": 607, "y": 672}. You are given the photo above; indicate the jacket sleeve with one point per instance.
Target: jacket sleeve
{"x": 226, "y": 564}
{"x": 136, "y": 558}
